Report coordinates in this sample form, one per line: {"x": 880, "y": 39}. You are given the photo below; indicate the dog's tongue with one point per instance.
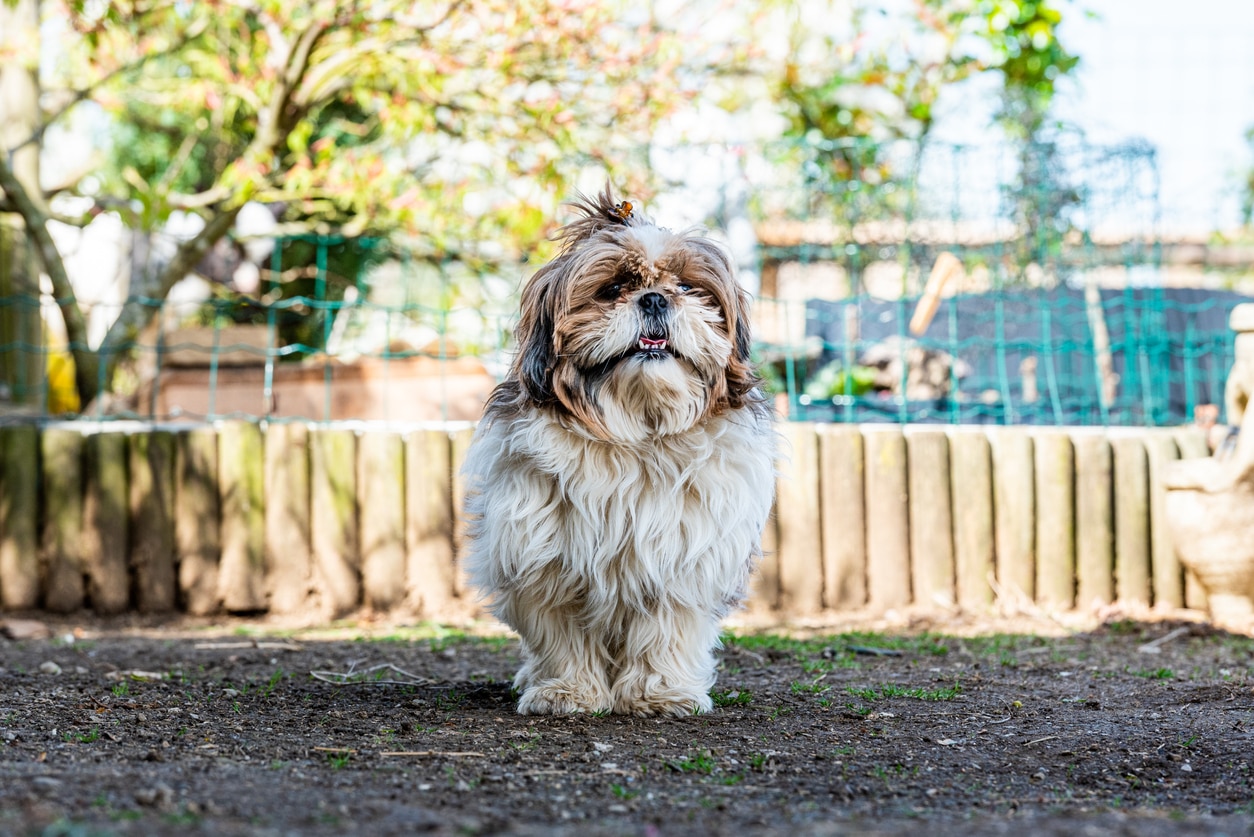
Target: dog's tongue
{"x": 647, "y": 344}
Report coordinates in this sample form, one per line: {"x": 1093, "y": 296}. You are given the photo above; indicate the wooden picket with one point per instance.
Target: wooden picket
{"x": 329, "y": 519}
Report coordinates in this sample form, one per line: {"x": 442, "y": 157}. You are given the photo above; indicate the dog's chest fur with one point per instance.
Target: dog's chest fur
{"x": 581, "y": 522}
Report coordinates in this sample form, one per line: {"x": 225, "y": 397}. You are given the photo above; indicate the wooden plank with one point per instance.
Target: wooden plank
{"x": 1014, "y": 512}
{"x": 931, "y": 518}
{"x": 1191, "y": 444}
{"x": 764, "y": 586}
{"x": 198, "y": 520}
{"x": 1095, "y": 533}
{"x": 106, "y": 519}
{"x": 241, "y": 482}
{"x": 19, "y": 515}
{"x": 1131, "y": 515}
{"x": 381, "y": 481}
{"x": 152, "y": 520}
{"x": 429, "y": 523}
{"x": 971, "y": 478}
{"x": 333, "y": 520}
{"x": 459, "y": 443}
{"x": 288, "y": 544}
{"x": 800, "y": 547}
{"x": 887, "y": 519}
{"x": 842, "y": 516}
{"x": 1166, "y": 573}
{"x": 62, "y": 465}
{"x": 1054, "y": 460}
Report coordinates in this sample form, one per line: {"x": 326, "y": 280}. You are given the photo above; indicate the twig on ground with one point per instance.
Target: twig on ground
{"x": 353, "y": 677}
{"x": 469, "y": 754}
{"x": 1155, "y": 646}
{"x": 224, "y": 646}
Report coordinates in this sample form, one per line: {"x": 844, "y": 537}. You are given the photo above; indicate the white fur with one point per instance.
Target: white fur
{"x": 616, "y": 560}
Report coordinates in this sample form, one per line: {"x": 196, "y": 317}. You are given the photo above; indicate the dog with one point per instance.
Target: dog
{"x": 619, "y": 481}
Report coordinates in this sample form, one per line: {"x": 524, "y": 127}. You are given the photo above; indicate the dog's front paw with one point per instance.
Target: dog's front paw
{"x": 648, "y": 695}
{"x": 558, "y": 697}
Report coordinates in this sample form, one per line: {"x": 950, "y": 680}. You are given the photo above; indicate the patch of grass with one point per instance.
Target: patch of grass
{"x": 894, "y": 691}
{"x": 815, "y": 687}
{"x": 274, "y": 681}
{"x": 757, "y": 761}
{"x": 449, "y": 701}
{"x": 121, "y": 689}
{"x": 338, "y": 760}
{"x": 1155, "y": 674}
{"x": 698, "y": 761}
{"x": 82, "y": 737}
{"x": 622, "y": 791}
{"x": 732, "y": 697}
{"x": 778, "y": 712}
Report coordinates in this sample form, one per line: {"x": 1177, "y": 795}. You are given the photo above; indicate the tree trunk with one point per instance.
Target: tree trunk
{"x": 21, "y": 369}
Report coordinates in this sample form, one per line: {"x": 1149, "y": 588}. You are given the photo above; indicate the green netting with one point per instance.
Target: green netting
{"x": 1061, "y": 314}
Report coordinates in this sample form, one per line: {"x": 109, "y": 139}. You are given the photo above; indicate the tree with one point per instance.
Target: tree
{"x": 456, "y": 122}
{"x": 863, "y": 76}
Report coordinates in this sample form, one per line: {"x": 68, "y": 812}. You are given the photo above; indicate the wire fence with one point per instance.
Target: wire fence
{"x": 1060, "y": 307}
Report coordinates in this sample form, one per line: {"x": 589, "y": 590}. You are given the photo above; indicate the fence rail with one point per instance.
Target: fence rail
{"x": 241, "y": 517}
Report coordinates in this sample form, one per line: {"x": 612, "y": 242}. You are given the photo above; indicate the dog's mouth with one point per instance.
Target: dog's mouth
{"x": 653, "y": 347}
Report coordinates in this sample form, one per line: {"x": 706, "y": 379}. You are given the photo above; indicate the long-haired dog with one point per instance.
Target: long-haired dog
{"x": 620, "y": 479}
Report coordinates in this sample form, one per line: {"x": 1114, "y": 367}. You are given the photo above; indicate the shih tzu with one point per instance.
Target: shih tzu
{"x": 620, "y": 479}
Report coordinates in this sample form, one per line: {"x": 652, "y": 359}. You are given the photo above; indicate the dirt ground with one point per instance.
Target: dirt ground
{"x": 128, "y": 728}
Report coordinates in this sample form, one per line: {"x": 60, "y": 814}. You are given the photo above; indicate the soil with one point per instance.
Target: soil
{"x": 1131, "y": 728}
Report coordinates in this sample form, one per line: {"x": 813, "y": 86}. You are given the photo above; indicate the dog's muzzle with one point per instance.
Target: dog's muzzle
{"x": 654, "y": 326}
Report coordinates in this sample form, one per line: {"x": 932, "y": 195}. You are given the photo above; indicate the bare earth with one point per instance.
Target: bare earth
{"x": 125, "y": 728}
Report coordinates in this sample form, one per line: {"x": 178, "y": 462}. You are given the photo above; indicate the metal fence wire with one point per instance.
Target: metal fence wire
{"x": 1058, "y": 308}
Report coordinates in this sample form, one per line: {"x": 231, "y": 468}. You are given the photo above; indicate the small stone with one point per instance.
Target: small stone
{"x": 45, "y": 782}
{"x": 50, "y": 668}
{"x": 602, "y": 748}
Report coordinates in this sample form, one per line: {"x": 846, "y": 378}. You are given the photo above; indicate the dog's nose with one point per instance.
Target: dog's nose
{"x": 653, "y": 303}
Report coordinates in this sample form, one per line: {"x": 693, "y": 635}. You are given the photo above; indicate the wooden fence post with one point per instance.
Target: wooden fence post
{"x": 931, "y": 518}
{"x": 333, "y": 523}
{"x": 106, "y": 518}
{"x": 1055, "y": 519}
{"x": 459, "y": 444}
{"x": 198, "y": 520}
{"x": 1095, "y": 533}
{"x": 63, "y": 518}
{"x": 800, "y": 547}
{"x": 429, "y": 523}
{"x": 381, "y": 484}
{"x": 842, "y": 516}
{"x": 288, "y": 549}
{"x": 152, "y": 520}
{"x": 19, "y": 515}
{"x": 1131, "y": 514}
{"x": 1014, "y": 512}
{"x": 241, "y": 482}
{"x": 1191, "y": 442}
{"x": 888, "y": 518}
{"x": 1168, "y": 576}
{"x": 971, "y": 472}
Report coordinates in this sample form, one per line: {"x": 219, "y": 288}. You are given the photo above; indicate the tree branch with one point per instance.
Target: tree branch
{"x": 86, "y": 364}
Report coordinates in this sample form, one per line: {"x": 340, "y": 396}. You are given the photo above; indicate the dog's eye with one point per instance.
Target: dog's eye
{"x": 611, "y": 291}
{"x": 684, "y": 287}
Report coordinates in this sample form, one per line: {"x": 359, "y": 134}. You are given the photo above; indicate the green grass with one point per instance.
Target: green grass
{"x": 732, "y": 697}
{"x": 698, "y": 761}
{"x": 893, "y": 691}
{"x": 1155, "y": 674}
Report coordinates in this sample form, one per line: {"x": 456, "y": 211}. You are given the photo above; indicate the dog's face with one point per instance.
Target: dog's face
{"x": 634, "y": 330}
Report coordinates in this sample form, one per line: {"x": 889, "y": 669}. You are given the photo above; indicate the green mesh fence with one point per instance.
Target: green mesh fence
{"x": 1060, "y": 313}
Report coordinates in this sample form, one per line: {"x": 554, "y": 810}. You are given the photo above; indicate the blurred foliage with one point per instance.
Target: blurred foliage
{"x": 868, "y": 74}
{"x": 456, "y": 122}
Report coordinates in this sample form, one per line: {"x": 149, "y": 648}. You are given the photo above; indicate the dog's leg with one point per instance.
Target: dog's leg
{"x": 564, "y": 671}
{"x": 667, "y": 664}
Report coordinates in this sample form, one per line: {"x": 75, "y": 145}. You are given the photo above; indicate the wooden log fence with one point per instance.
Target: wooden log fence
{"x": 326, "y": 520}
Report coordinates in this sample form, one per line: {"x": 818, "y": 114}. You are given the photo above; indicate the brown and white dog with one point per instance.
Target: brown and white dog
{"x": 620, "y": 479}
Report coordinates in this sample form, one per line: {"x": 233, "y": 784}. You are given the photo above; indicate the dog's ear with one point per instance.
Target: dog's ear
{"x": 742, "y": 376}
{"x": 533, "y": 366}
